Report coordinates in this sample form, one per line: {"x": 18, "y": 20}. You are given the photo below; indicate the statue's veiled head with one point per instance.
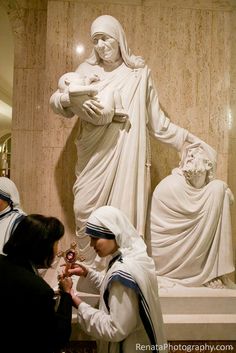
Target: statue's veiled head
{"x": 110, "y": 26}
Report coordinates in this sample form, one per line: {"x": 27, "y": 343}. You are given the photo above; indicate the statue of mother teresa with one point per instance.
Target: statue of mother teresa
{"x": 113, "y": 165}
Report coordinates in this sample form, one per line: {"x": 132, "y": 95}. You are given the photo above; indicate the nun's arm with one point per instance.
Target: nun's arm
{"x": 116, "y": 325}
{"x": 96, "y": 278}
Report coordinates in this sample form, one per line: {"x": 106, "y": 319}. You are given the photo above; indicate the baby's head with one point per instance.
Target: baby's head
{"x": 67, "y": 78}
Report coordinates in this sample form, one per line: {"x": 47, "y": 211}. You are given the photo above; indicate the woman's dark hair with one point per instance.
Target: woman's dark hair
{"x": 34, "y": 238}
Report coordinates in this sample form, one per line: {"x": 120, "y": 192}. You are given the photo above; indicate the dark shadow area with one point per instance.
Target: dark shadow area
{"x": 81, "y": 347}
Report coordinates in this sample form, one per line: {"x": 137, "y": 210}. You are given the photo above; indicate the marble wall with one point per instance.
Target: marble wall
{"x": 190, "y": 45}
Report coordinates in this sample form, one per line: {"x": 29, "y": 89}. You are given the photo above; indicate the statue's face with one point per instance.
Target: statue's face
{"x": 196, "y": 159}
{"x": 107, "y": 47}
{"x": 195, "y": 167}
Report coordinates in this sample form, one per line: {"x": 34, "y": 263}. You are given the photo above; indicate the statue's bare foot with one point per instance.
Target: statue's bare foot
{"x": 215, "y": 283}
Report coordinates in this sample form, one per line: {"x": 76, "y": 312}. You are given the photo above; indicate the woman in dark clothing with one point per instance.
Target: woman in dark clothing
{"x": 29, "y": 322}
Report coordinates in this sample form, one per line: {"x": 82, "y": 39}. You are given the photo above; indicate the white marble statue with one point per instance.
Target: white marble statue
{"x": 190, "y": 226}
{"x": 114, "y": 159}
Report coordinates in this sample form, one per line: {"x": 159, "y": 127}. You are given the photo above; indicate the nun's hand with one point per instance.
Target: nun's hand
{"x": 75, "y": 299}
{"x": 77, "y": 270}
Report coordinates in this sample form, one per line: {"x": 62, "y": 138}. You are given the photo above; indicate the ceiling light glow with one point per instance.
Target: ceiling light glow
{"x": 80, "y": 49}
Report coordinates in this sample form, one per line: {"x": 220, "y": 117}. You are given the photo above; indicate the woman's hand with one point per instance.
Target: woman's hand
{"x": 65, "y": 284}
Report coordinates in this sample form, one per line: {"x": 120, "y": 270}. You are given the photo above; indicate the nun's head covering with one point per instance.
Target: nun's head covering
{"x": 9, "y": 192}
{"x": 110, "y": 223}
{"x": 110, "y": 26}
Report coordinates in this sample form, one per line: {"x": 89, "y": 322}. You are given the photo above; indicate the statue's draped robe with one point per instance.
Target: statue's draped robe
{"x": 191, "y": 230}
{"x": 114, "y": 159}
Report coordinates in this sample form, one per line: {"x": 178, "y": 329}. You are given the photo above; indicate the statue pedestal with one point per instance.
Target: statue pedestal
{"x": 199, "y": 313}
{"x": 189, "y": 314}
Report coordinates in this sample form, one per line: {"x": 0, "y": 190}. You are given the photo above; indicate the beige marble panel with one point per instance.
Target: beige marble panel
{"x": 58, "y": 177}
{"x": 51, "y": 167}
{"x": 164, "y": 159}
{"x": 232, "y": 185}
{"x": 29, "y": 38}
{"x": 232, "y": 170}
{"x": 220, "y": 80}
{"x": 53, "y": 138}
{"x": 27, "y": 4}
{"x": 232, "y": 112}
{"x": 28, "y": 109}
{"x": 29, "y": 28}
{"x": 54, "y": 201}
{"x": 221, "y": 5}
{"x": 181, "y": 66}
{"x": 222, "y": 166}
{"x": 225, "y": 5}
{"x": 232, "y": 149}
{"x": 113, "y": 2}
{"x": 27, "y": 168}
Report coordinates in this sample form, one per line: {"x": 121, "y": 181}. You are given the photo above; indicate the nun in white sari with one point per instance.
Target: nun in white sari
{"x": 114, "y": 156}
{"x": 10, "y": 210}
{"x": 129, "y": 317}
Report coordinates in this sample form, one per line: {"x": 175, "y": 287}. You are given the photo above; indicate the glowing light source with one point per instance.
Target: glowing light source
{"x": 80, "y": 49}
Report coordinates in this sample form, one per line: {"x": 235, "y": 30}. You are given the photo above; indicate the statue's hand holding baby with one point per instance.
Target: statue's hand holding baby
{"x": 93, "y": 108}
